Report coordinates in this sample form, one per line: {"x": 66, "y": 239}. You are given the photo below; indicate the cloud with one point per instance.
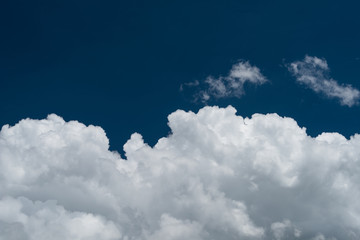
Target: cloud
{"x": 231, "y": 85}
{"x": 216, "y": 176}
{"x": 313, "y": 73}
{"x": 284, "y": 230}
{"x": 23, "y": 219}
{"x": 189, "y": 84}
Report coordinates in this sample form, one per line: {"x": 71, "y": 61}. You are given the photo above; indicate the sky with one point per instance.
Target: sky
{"x": 177, "y": 88}
{"x": 121, "y": 63}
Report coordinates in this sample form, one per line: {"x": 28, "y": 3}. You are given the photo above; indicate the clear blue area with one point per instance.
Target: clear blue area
{"x": 119, "y": 64}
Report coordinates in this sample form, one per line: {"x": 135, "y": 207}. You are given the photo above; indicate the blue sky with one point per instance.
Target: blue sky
{"x": 119, "y": 64}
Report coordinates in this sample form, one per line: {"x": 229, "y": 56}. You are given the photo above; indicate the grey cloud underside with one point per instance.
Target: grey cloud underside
{"x": 313, "y": 72}
{"x": 217, "y": 176}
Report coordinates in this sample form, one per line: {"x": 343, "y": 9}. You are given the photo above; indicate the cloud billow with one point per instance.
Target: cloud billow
{"x": 313, "y": 72}
{"x": 216, "y": 176}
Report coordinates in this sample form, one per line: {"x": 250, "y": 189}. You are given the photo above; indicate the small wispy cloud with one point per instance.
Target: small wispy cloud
{"x": 313, "y": 72}
{"x": 189, "y": 84}
{"x": 231, "y": 85}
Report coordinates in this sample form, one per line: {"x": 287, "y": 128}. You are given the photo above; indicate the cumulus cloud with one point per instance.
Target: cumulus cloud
{"x": 23, "y": 219}
{"x": 284, "y": 230}
{"x": 313, "y": 73}
{"x": 216, "y": 176}
{"x": 231, "y": 85}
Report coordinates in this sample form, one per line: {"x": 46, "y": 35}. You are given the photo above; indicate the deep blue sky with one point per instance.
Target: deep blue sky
{"x": 119, "y": 64}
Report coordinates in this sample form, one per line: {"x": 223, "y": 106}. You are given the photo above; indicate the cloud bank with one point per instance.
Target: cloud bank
{"x": 231, "y": 85}
{"x": 313, "y": 73}
{"x": 216, "y": 176}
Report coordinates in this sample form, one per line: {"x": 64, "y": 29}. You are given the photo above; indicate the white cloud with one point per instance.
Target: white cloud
{"x": 174, "y": 229}
{"x": 189, "y": 84}
{"x": 285, "y": 230}
{"x": 231, "y": 85}
{"x": 313, "y": 72}
{"x": 46, "y": 220}
{"x": 217, "y": 176}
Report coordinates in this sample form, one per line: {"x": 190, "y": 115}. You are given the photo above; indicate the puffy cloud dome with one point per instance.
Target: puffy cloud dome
{"x": 216, "y": 176}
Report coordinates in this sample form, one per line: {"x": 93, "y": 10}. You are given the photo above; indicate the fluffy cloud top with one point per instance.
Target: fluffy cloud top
{"x": 231, "y": 85}
{"x": 216, "y": 176}
{"x": 313, "y": 72}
